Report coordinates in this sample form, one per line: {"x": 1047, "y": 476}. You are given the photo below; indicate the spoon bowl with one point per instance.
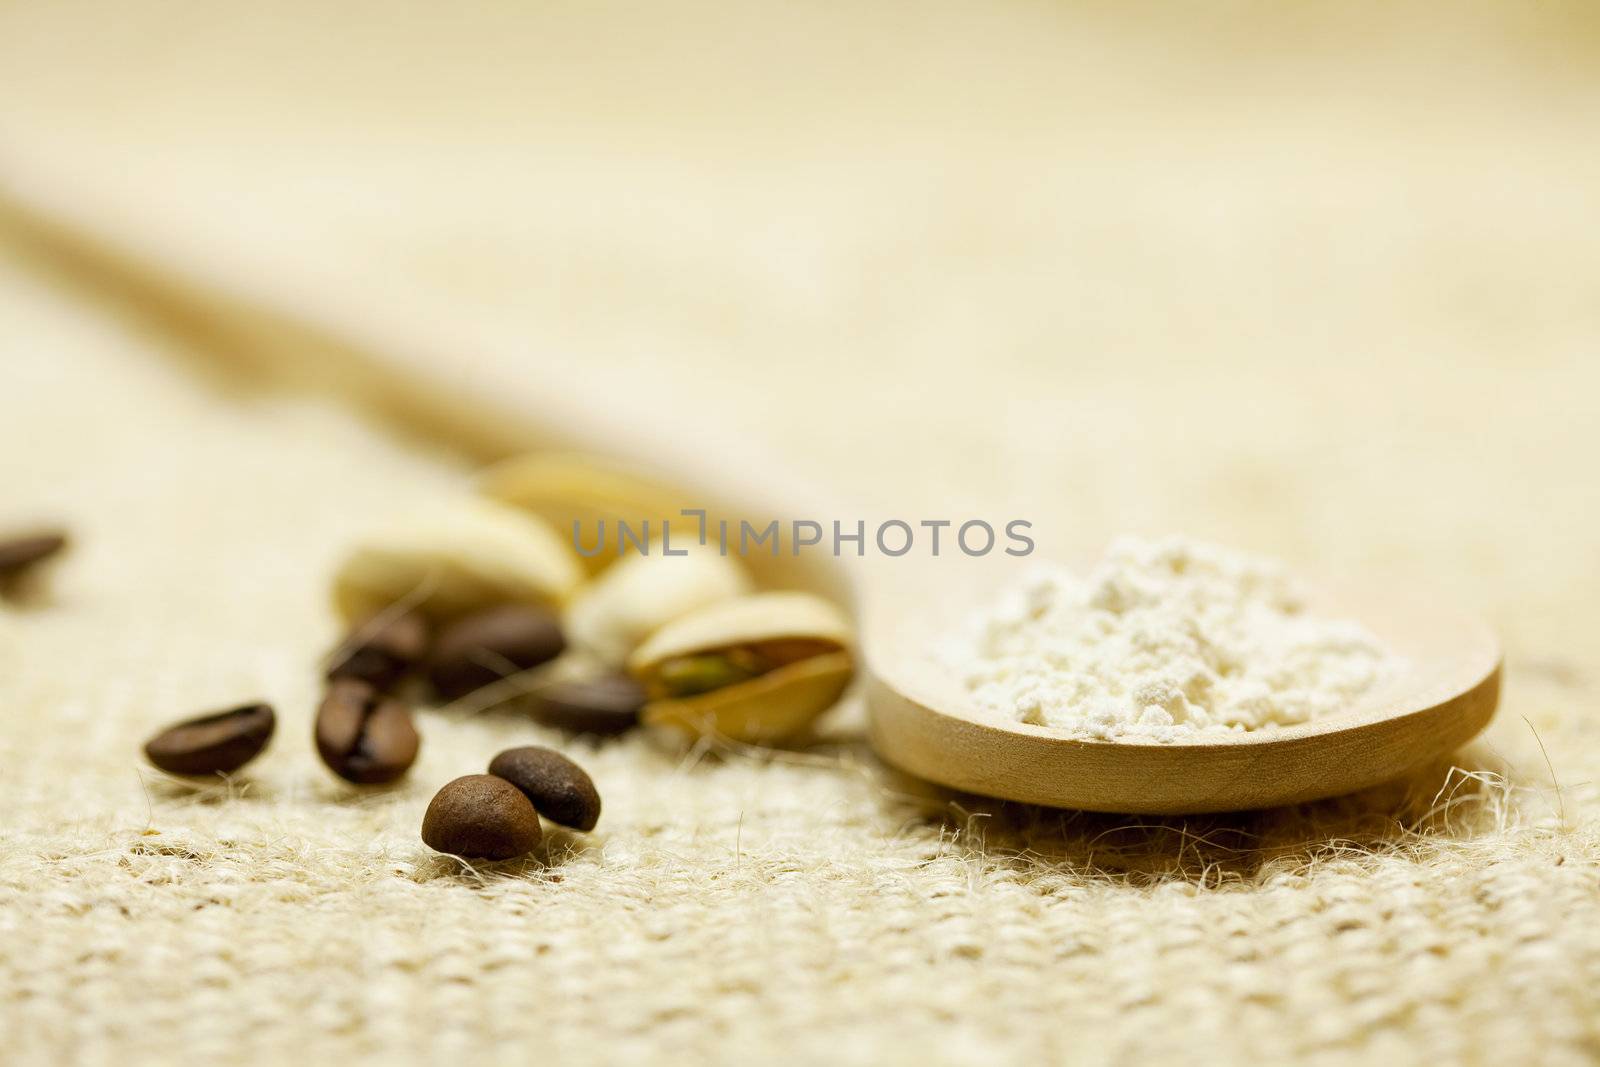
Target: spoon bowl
{"x": 924, "y": 721}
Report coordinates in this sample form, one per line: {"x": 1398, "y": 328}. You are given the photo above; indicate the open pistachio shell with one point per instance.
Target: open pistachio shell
{"x": 772, "y": 706}
{"x": 746, "y": 620}
{"x": 631, "y": 600}
{"x": 463, "y": 555}
{"x": 566, "y": 488}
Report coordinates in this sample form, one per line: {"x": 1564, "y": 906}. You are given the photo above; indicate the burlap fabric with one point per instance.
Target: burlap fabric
{"x": 1355, "y": 327}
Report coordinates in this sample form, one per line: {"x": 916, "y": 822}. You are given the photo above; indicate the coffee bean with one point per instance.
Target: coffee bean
{"x": 561, "y": 790}
{"x": 213, "y": 744}
{"x": 606, "y": 705}
{"x": 364, "y": 736}
{"x": 19, "y": 554}
{"x": 481, "y": 649}
{"x": 481, "y": 817}
{"x": 381, "y": 651}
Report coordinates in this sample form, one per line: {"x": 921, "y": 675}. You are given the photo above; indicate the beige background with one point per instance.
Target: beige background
{"x": 1321, "y": 281}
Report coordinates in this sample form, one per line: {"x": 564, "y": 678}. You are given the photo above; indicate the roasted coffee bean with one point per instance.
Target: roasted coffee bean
{"x": 481, "y": 649}
{"x": 211, "y": 744}
{"x": 382, "y": 651}
{"x": 19, "y": 554}
{"x": 561, "y": 790}
{"x": 481, "y": 817}
{"x": 364, "y": 736}
{"x": 606, "y": 705}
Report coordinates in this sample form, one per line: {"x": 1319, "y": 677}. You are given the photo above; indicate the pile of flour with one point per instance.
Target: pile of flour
{"x": 1164, "y": 638}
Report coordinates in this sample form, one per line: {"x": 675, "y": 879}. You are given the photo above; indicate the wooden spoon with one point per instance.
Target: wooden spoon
{"x": 922, "y": 719}
{"x": 924, "y": 722}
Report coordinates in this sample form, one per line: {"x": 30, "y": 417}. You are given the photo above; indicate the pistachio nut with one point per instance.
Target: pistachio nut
{"x": 642, "y": 593}
{"x": 755, "y": 668}
{"x": 461, "y": 556}
{"x": 566, "y": 488}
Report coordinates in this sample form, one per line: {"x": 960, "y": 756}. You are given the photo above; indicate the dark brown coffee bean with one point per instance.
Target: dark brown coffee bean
{"x": 213, "y": 744}
{"x": 364, "y": 736}
{"x": 481, "y": 817}
{"x": 481, "y": 649}
{"x": 382, "y": 651}
{"x": 605, "y": 705}
{"x": 561, "y": 790}
{"x": 19, "y": 554}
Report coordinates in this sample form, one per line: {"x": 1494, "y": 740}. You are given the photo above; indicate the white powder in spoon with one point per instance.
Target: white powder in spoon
{"x": 1161, "y": 640}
